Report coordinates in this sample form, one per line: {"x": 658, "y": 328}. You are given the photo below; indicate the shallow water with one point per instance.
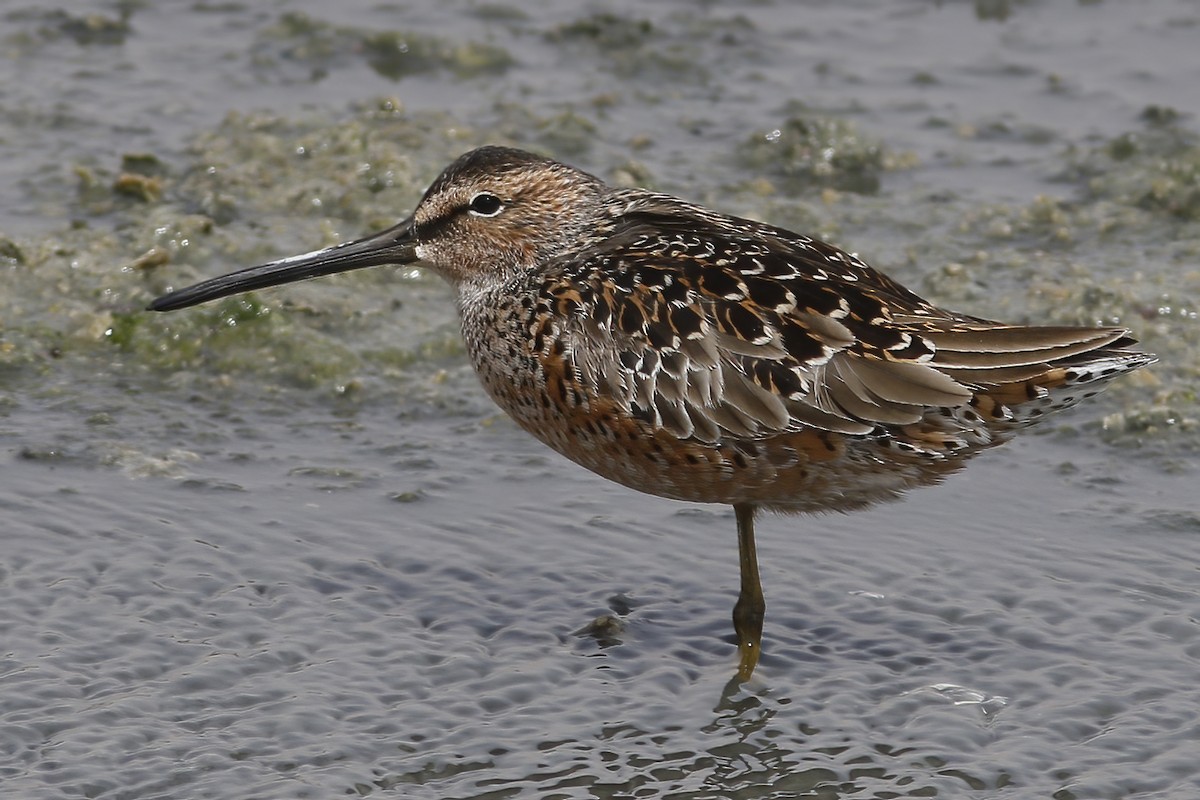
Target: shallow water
{"x": 286, "y": 547}
{"x": 370, "y": 603}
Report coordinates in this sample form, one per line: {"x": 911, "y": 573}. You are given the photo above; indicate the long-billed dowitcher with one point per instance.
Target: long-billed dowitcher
{"x": 709, "y": 358}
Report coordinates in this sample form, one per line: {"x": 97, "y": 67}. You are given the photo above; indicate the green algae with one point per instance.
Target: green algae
{"x": 1157, "y": 170}
{"x": 256, "y": 188}
{"x": 653, "y": 54}
{"x": 318, "y": 45}
{"x": 147, "y": 164}
{"x": 11, "y": 251}
{"x": 810, "y": 150}
{"x": 55, "y": 25}
{"x": 139, "y": 187}
{"x": 607, "y": 31}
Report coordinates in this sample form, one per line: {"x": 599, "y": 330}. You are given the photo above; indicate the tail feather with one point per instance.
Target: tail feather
{"x": 1006, "y": 346}
{"x": 1062, "y": 384}
{"x": 1006, "y": 398}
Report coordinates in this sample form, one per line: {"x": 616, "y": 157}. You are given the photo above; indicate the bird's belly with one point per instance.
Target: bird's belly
{"x": 808, "y": 470}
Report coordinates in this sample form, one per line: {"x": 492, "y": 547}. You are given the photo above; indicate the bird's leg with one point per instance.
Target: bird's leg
{"x": 750, "y": 608}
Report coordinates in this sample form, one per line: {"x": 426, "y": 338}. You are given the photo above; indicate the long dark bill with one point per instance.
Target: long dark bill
{"x": 397, "y": 245}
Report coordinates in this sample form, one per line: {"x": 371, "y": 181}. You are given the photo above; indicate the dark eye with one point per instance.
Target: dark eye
{"x": 486, "y": 205}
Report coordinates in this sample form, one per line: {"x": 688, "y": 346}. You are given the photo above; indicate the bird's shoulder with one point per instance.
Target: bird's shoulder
{"x": 662, "y": 270}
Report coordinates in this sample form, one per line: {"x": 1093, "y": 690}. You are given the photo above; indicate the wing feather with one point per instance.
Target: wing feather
{"x": 726, "y": 337}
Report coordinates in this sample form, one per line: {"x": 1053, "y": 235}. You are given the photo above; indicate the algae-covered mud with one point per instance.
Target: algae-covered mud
{"x": 1119, "y": 249}
{"x": 282, "y": 545}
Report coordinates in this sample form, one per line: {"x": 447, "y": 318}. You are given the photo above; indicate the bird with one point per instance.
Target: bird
{"x": 709, "y": 358}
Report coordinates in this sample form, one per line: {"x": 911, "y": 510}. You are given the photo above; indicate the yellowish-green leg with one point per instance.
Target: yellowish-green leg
{"x": 751, "y": 606}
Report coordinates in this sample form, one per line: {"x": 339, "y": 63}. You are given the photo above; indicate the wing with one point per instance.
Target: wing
{"x": 747, "y": 336}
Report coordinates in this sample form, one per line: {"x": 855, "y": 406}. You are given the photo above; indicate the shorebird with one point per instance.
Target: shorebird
{"x": 704, "y": 357}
